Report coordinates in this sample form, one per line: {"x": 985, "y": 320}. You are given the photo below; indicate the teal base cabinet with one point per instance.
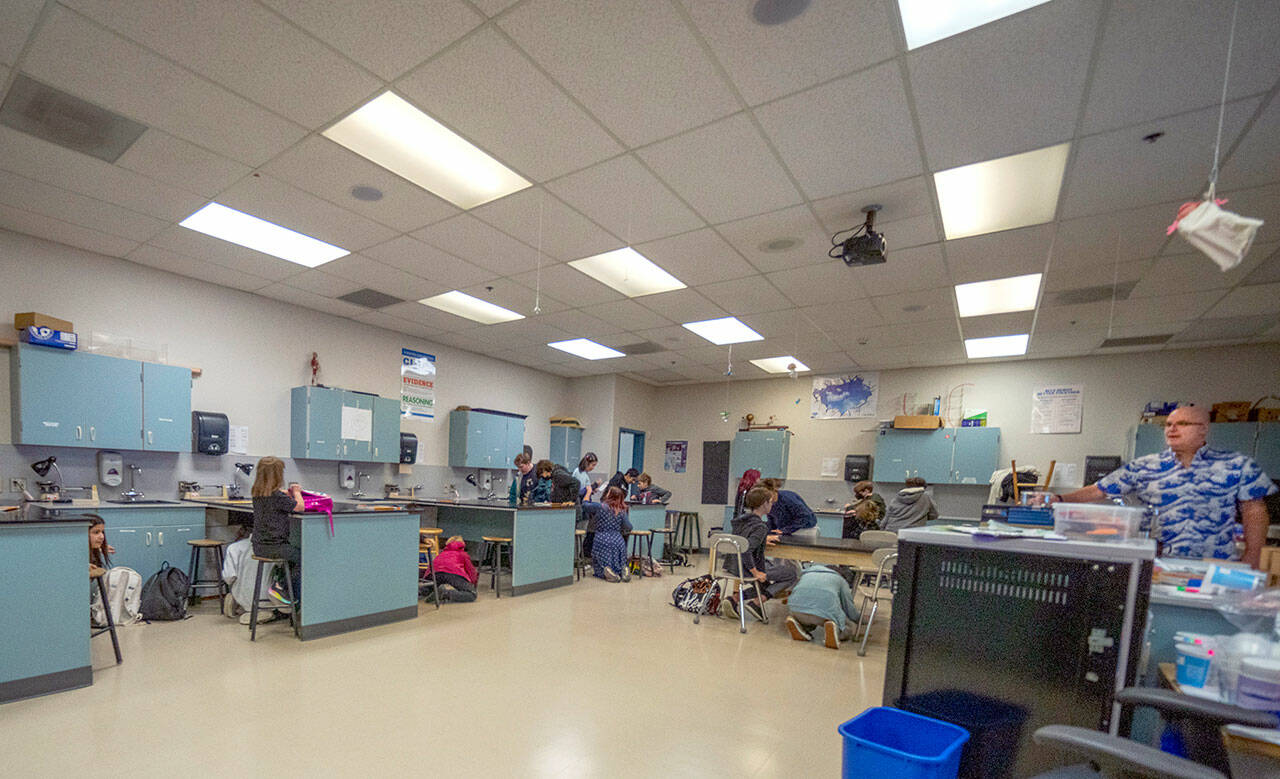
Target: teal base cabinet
{"x": 483, "y": 439}
{"x": 44, "y": 647}
{"x": 948, "y": 455}
{"x": 651, "y": 517}
{"x": 764, "y": 450}
{"x": 145, "y": 538}
{"x": 543, "y": 538}
{"x": 830, "y": 524}
{"x": 566, "y": 446}
{"x": 317, "y": 431}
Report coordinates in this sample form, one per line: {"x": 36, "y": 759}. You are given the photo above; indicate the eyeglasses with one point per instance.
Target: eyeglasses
{"x": 1183, "y": 423}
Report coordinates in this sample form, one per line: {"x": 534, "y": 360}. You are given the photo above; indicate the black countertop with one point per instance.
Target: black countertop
{"x": 499, "y": 505}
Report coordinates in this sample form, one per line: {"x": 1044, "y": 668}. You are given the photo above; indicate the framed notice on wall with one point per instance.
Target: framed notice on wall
{"x": 677, "y": 456}
{"x": 417, "y": 385}
{"x": 1057, "y": 408}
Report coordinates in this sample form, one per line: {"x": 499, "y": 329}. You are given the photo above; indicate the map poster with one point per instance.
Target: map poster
{"x": 677, "y": 456}
{"x": 417, "y": 385}
{"x": 852, "y": 396}
{"x": 1057, "y": 408}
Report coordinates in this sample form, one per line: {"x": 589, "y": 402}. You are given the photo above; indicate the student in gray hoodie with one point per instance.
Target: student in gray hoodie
{"x": 911, "y": 507}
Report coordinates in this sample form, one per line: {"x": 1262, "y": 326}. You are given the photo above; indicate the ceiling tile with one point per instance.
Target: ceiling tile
{"x": 187, "y": 166}
{"x": 387, "y": 38}
{"x": 905, "y": 270}
{"x": 1117, "y": 170}
{"x": 275, "y": 201}
{"x": 1000, "y": 255}
{"x": 724, "y": 170}
{"x": 769, "y": 61}
{"x": 325, "y": 169}
{"x": 41, "y": 198}
{"x": 611, "y": 56}
{"x": 1254, "y": 161}
{"x": 625, "y": 198}
{"x": 1168, "y": 308}
{"x": 905, "y": 218}
{"x": 943, "y": 331}
{"x": 383, "y": 278}
{"x": 1057, "y": 342}
{"x": 534, "y": 331}
{"x": 830, "y": 282}
{"x": 123, "y": 77}
{"x": 323, "y": 283}
{"x": 1171, "y": 274}
{"x": 199, "y": 245}
{"x": 565, "y": 283}
{"x": 489, "y": 92}
{"x": 471, "y": 239}
{"x": 56, "y": 230}
{"x": 835, "y": 319}
{"x": 581, "y": 324}
{"x": 697, "y": 257}
{"x": 1226, "y": 329}
{"x": 196, "y": 269}
{"x": 513, "y": 296}
{"x": 628, "y": 314}
{"x": 310, "y": 300}
{"x": 1122, "y": 236}
{"x": 1268, "y": 270}
{"x": 1080, "y": 316}
{"x": 745, "y": 295}
{"x": 916, "y": 306}
{"x": 245, "y": 48}
{"x": 428, "y": 262}
{"x": 752, "y": 236}
{"x": 908, "y": 356}
{"x": 1155, "y": 61}
{"x": 673, "y": 337}
{"x": 972, "y": 91}
{"x": 432, "y": 320}
{"x": 996, "y": 324}
{"x": 383, "y": 320}
{"x": 17, "y": 19}
{"x": 682, "y": 305}
{"x": 790, "y": 323}
{"x": 1248, "y": 301}
{"x": 539, "y": 218}
{"x": 811, "y": 130}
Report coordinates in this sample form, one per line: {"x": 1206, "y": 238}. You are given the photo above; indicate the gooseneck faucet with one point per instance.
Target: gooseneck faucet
{"x": 132, "y": 493}
{"x": 360, "y": 477}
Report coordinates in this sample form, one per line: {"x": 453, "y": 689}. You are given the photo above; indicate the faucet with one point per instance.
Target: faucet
{"x": 453, "y": 488}
{"x": 132, "y": 493}
{"x": 360, "y": 477}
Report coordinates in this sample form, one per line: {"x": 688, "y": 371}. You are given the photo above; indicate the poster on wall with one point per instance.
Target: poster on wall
{"x": 417, "y": 385}
{"x": 1057, "y": 408}
{"x": 851, "y": 396}
{"x": 677, "y": 456}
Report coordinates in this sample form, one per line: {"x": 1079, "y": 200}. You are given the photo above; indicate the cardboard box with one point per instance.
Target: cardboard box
{"x": 36, "y": 319}
{"x": 917, "y": 422}
{"x": 1231, "y": 411}
{"x": 1264, "y": 414}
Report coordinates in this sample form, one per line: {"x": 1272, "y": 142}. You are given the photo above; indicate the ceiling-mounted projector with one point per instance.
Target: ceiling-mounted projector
{"x": 864, "y": 247}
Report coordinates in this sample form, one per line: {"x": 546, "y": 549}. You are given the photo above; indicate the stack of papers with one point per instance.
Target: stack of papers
{"x": 997, "y": 530}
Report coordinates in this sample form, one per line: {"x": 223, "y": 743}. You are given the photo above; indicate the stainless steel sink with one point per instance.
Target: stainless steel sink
{"x": 146, "y": 502}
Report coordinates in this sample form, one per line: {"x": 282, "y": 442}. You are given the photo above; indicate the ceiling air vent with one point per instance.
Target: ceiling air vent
{"x": 1140, "y": 340}
{"x": 370, "y": 298}
{"x": 54, "y": 116}
{"x": 1074, "y": 297}
{"x": 644, "y": 347}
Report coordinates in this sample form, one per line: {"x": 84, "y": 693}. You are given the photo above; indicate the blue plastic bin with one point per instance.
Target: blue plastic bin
{"x": 884, "y": 742}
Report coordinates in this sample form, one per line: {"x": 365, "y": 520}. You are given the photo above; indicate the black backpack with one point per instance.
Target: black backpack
{"x": 164, "y": 596}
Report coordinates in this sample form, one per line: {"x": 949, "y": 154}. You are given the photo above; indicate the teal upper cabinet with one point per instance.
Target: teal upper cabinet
{"x": 977, "y": 455}
{"x": 943, "y": 456}
{"x": 764, "y": 450}
{"x": 63, "y": 398}
{"x": 566, "y": 446}
{"x": 316, "y": 423}
{"x": 1267, "y": 452}
{"x": 166, "y": 408}
{"x": 386, "y": 430}
{"x": 335, "y": 424}
{"x": 481, "y": 439}
{"x": 357, "y": 426}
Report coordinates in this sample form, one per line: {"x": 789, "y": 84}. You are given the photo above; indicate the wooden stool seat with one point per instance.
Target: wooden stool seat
{"x": 641, "y": 532}
{"x": 206, "y": 543}
{"x": 261, "y": 559}
{"x": 496, "y": 539}
{"x": 639, "y": 540}
{"x": 579, "y": 532}
{"x": 430, "y": 531}
{"x": 194, "y": 582}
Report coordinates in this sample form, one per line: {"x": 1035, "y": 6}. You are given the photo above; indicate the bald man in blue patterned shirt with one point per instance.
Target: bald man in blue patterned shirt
{"x": 1202, "y": 494}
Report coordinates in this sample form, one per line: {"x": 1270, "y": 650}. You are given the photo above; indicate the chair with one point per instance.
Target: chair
{"x": 427, "y": 538}
{"x": 884, "y": 559}
{"x": 1018, "y": 486}
{"x": 97, "y": 574}
{"x": 193, "y": 569}
{"x": 878, "y": 538}
{"x": 729, "y": 544}
{"x": 257, "y": 595}
{"x": 491, "y": 557}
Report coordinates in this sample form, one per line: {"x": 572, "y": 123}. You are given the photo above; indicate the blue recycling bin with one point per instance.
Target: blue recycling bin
{"x": 886, "y": 742}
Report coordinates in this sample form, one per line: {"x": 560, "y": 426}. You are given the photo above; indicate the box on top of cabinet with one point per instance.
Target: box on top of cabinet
{"x": 36, "y": 319}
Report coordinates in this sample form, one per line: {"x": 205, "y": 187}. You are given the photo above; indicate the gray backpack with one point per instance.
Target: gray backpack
{"x": 164, "y": 596}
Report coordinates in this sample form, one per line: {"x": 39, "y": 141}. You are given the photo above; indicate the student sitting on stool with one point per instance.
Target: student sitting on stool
{"x": 823, "y": 598}
{"x": 455, "y": 574}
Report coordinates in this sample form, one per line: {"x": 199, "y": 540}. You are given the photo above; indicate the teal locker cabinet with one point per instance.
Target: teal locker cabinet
{"x": 484, "y": 439}
{"x": 765, "y": 450}
{"x": 316, "y": 426}
{"x": 63, "y": 398}
{"x": 566, "y": 445}
{"x": 147, "y": 537}
{"x": 947, "y": 455}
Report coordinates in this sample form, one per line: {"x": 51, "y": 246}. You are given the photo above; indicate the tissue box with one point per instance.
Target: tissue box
{"x": 43, "y": 336}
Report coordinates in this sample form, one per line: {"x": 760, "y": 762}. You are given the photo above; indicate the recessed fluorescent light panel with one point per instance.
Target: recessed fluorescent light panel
{"x": 997, "y": 346}
{"x": 468, "y": 307}
{"x": 726, "y": 330}
{"x": 629, "y": 272}
{"x": 389, "y": 131}
{"x": 586, "y": 349}
{"x": 260, "y": 235}
{"x": 998, "y": 296}
{"x": 780, "y": 364}
{"x": 1001, "y": 194}
{"x": 926, "y": 21}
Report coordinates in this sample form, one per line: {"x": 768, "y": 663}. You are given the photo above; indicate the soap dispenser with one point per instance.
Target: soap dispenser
{"x": 110, "y": 468}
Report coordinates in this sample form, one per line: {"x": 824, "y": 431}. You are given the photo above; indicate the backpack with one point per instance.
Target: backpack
{"x": 691, "y": 594}
{"x": 124, "y": 592}
{"x": 164, "y": 596}
{"x": 650, "y": 567}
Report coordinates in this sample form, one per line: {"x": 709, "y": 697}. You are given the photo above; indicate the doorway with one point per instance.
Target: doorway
{"x": 630, "y": 449}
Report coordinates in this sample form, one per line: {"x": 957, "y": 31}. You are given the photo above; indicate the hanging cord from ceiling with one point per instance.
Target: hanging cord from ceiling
{"x": 1222, "y": 105}
{"x": 1115, "y": 286}
{"x": 537, "y": 279}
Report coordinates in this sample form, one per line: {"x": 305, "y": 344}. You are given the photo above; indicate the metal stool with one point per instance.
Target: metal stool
{"x": 688, "y": 532}
{"x": 97, "y": 574}
{"x": 668, "y": 551}
{"x": 491, "y": 555}
{"x": 425, "y": 546}
{"x": 638, "y": 540}
{"x": 579, "y": 560}
{"x": 193, "y": 569}
{"x": 257, "y": 593}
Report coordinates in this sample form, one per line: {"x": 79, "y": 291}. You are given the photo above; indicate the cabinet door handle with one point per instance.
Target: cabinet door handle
{"x": 151, "y": 438}
{"x": 160, "y": 535}
{"x": 79, "y": 432}
{"x": 93, "y": 433}
{"x": 148, "y": 538}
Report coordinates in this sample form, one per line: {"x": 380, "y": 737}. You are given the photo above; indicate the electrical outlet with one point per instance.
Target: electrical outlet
{"x": 17, "y": 485}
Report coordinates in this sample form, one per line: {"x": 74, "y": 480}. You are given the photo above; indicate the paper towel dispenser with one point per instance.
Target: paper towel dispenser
{"x": 408, "y": 448}
{"x": 209, "y": 432}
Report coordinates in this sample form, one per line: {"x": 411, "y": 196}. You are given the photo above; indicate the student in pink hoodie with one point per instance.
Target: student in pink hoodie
{"x": 455, "y": 573}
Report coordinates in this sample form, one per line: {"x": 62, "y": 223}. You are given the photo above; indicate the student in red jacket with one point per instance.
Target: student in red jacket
{"x": 455, "y": 573}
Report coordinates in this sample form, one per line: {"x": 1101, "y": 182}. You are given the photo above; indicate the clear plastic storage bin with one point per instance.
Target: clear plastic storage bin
{"x": 1097, "y": 521}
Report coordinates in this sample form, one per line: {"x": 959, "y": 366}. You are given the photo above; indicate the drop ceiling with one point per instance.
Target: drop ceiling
{"x": 726, "y": 151}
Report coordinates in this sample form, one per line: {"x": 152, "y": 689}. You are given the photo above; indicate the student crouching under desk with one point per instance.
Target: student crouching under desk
{"x": 821, "y": 599}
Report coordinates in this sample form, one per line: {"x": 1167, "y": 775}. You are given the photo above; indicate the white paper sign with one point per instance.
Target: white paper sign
{"x": 357, "y": 423}
{"x": 1057, "y": 408}
{"x": 238, "y": 439}
{"x": 830, "y": 466}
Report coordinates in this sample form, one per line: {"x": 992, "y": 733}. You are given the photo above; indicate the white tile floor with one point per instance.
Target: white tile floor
{"x": 594, "y": 679}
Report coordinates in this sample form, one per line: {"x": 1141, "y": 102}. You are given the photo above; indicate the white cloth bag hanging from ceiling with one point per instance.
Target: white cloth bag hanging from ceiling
{"x": 1225, "y": 237}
